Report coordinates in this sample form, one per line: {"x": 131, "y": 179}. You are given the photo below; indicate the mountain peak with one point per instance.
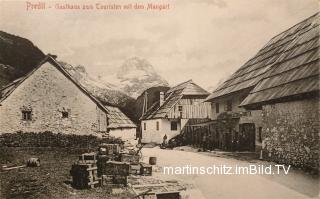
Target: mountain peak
{"x": 137, "y": 66}
{"x": 136, "y": 75}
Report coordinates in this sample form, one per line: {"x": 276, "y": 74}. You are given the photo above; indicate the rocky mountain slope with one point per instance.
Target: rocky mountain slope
{"x": 136, "y": 75}
{"x": 18, "y": 56}
{"x": 107, "y": 93}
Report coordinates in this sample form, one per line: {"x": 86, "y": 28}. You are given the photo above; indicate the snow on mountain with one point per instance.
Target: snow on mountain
{"x": 134, "y": 76}
{"x": 106, "y": 92}
{"x": 122, "y": 88}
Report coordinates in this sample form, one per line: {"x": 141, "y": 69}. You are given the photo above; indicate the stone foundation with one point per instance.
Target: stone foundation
{"x": 291, "y": 133}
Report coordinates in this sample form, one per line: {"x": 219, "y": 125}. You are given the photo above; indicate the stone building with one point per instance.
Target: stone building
{"x": 49, "y": 99}
{"x": 273, "y": 99}
{"x": 288, "y": 96}
{"x": 172, "y": 111}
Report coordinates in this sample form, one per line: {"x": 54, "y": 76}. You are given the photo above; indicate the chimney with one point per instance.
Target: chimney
{"x": 161, "y": 98}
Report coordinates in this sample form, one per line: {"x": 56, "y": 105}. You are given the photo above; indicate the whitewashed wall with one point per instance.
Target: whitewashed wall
{"x": 47, "y": 92}
{"x": 151, "y": 134}
{"x": 126, "y": 134}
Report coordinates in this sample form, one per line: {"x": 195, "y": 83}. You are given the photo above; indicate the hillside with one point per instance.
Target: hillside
{"x": 107, "y": 93}
{"x": 18, "y": 56}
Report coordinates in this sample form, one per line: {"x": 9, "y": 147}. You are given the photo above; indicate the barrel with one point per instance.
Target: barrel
{"x": 152, "y": 160}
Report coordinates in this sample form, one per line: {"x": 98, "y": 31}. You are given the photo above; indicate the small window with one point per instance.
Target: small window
{"x": 217, "y": 108}
{"x": 65, "y": 114}
{"x": 144, "y": 126}
{"x": 228, "y": 106}
{"x": 26, "y": 115}
{"x": 174, "y": 126}
{"x": 157, "y": 126}
{"x": 180, "y": 108}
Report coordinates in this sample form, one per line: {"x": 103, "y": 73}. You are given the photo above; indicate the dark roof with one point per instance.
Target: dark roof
{"x": 287, "y": 65}
{"x": 8, "y": 89}
{"x": 172, "y": 96}
{"x": 117, "y": 119}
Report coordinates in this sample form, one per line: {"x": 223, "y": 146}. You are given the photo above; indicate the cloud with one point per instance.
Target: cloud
{"x": 204, "y": 40}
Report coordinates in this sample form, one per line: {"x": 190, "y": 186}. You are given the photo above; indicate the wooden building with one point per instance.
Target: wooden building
{"x": 49, "y": 99}
{"x": 173, "y": 110}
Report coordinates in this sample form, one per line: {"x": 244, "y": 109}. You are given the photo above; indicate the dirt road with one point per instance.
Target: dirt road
{"x": 295, "y": 184}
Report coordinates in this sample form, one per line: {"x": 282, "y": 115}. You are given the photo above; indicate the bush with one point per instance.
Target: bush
{"x": 6, "y": 155}
{"x": 49, "y": 139}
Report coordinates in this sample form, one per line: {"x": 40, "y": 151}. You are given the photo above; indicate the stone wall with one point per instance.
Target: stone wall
{"x": 291, "y": 133}
{"x": 48, "y": 92}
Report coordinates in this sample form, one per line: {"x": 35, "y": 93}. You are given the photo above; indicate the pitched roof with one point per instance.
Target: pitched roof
{"x": 114, "y": 111}
{"x": 117, "y": 119}
{"x": 51, "y": 60}
{"x": 172, "y": 96}
{"x": 189, "y": 88}
{"x": 286, "y": 65}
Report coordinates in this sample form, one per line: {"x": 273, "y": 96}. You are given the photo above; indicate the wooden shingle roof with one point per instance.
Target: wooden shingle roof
{"x": 287, "y": 65}
{"x": 172, "y": 96}
{"x": 117, "y": 119}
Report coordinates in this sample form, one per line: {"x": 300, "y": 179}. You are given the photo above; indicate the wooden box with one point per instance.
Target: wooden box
{"x": 129, "y": 158}
{"x": 102, "y": 163}
{"x": 135, "y": 169}
{"x": 88, "y": 158}
{"x": 113, "y": 179}
{"x": 168, "y": 195}
{"x": 146, "y": 169}
{"x": 106, "y": 180}
{"x": 120, "y": 180}
{"x": 84, "y": 175}
{"x": 109, "y": 149}
{"x": 116, "y": 168}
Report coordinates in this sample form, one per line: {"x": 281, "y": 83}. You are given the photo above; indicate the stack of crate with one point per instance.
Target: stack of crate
{"x": 84, "y": 172}
{"x": 115, "y": 173}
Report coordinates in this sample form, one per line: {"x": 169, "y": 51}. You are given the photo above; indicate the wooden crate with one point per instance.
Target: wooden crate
{"x": 129, "y": 158}
{"x": 88, "y": 158}
{"x": 116, "y": 168}
{"x": 146, "y": 169}
{"x": 114, "y": 180}
{"x": 154, "y": 191}
{"x": 106, "y": 180}
{"x": 117, "y": 179}
{"x": 135, "y": 169}
{"x": 168, "y": 195}
{"x": 109, "y": 149}
{"x": 84, "y": 175}
{"x": 102, "y": 163}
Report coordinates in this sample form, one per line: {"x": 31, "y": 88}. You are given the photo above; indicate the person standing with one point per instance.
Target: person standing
{"x": 164, "y": 142}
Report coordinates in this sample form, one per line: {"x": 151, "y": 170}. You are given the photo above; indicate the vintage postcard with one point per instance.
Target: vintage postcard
{"x": 159, "y": 99}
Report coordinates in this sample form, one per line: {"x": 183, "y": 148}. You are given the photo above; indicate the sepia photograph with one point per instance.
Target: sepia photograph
{"x": 159, "y": 99}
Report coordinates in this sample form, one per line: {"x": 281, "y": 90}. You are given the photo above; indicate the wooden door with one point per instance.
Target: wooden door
{"x": 247, "y": 137}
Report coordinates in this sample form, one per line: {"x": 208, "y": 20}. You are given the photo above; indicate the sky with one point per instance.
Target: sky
{"x": 203, "y": 40}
